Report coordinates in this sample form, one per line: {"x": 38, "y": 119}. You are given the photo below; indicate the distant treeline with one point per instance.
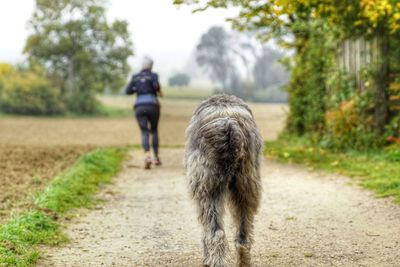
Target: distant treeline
{"x": 239, "y": 64}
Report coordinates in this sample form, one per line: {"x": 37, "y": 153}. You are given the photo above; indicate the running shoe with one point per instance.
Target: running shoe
{"x": 157, "y": 161}
{"x": 147, "y": 163}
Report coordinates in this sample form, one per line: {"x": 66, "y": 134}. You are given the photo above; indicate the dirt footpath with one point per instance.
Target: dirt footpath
{"x": 305, "y": 219}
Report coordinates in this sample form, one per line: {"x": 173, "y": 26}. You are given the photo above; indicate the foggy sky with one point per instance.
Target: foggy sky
{"x": 158, "y": 29}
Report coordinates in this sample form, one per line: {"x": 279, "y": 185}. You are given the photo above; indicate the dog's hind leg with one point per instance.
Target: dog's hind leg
{"x": 214, "y": 239}
{"x": 244, "y": 200}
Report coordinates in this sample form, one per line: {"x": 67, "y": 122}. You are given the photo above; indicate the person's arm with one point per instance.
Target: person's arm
{"x": 130, "y": 89}
{"x": 156, "y": 85}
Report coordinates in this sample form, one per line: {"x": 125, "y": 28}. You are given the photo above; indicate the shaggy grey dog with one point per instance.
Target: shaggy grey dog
{"x": 222, "y": 162}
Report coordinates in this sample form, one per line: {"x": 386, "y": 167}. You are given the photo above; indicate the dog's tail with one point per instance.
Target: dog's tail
{"x": 225, "y": 140}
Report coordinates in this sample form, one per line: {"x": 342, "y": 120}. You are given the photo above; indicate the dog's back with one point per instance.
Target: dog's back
{"x": 223, "y": 129}
{"x": 222, "y": 162}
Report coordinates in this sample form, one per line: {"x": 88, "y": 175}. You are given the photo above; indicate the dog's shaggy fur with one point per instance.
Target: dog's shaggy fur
{"x": 222, "y": 162}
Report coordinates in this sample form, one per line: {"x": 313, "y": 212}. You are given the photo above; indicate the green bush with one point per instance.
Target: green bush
{"x": 307, "y": 86}
{"x": 327, "y": 105}
{"x": 5, "y": 69}
{"x": 82, "y": 102}
{"x": 29, "y": 94}
{"x": 180, "y": 79}
{"x": 349, "y": 120}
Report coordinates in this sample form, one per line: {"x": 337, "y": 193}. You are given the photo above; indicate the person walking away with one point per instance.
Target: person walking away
{"x": 147, "y": 108}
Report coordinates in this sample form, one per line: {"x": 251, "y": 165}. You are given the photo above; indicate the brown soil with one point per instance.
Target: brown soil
{"x": 26, "y": 169}
{"x": 306, "y": 219}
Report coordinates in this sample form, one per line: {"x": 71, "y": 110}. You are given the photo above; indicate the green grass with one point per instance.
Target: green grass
{"x": 107, "y": 111}
{"x": 76, "y": 188}
{"x": 102, "y": 111}
{"x": 20, "y": 234}
{"x": 375, "y": 170}
{"x": 186, "y": 93}
{"x": 73, "y": 189}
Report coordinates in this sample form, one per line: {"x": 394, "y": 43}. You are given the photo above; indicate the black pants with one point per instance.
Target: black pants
{"x": 148, "y": 115}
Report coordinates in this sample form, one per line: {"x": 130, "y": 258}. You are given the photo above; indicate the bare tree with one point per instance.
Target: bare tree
{"x": 239, "y": 63}
{"x": 213, "y": 53}
{"x": 267, "y": 70}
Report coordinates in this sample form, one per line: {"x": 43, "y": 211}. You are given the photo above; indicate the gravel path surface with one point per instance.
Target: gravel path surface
{"x": 306, "y": 219}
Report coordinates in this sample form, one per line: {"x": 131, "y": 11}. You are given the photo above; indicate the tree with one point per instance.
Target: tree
{"x": 270, "y": 19}
{"x": 213, "y": 53}
{"x": 239, "y": 63}
{"x": 378, "y": 19}
{"x": 315, "y": 29}
{"x": 180, "y": 79}
{"x": 267, "y": 71}
{"x": 81, "y": 51}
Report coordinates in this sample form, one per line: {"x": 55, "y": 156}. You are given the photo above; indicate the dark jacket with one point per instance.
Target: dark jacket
{"x": 146, "y": 85}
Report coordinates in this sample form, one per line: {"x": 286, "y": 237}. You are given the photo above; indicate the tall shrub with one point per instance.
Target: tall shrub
{"x": 307, "y": 88}
{"x": 29, "y": 94}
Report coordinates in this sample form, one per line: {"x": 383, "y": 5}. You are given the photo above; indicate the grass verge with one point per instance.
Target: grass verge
{"x": 375, "y": 170}
{"x": 21, "y": 235}
{"x": 109, "y": 112}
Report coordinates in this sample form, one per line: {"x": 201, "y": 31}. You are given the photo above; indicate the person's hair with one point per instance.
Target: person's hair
{"x": 147, "y": 63}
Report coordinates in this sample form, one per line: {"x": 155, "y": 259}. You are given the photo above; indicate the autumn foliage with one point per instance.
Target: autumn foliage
{"x": 326, "y": 103}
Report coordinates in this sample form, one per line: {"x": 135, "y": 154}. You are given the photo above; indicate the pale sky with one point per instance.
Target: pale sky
{"x": 159, "y": 29}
